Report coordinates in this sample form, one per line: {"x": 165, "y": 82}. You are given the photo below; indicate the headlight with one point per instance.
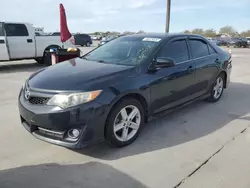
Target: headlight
{"x": 73, "y": 99}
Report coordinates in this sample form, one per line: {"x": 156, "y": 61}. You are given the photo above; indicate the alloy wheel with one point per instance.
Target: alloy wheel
{"x": 218, "y": 88}
{"x": 127, "y": 123}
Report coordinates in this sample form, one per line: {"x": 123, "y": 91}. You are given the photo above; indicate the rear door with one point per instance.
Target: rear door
{"x": 173, "y": 85}
{"x": 20, "y": 42}
{"x": 206, "y": 60}
{"x": 4, "y": 55}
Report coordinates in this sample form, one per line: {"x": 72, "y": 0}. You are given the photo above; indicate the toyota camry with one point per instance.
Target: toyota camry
{"x": 111, "y": 92}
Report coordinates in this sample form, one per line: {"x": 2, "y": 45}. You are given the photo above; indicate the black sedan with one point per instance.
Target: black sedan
{"x": 83, "y": 40}
{"x": 239, "y": 42}
{"x": 109, "y": 93}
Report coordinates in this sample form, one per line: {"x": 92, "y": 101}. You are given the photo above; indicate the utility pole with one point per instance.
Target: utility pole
{"x": 168, "y": 15}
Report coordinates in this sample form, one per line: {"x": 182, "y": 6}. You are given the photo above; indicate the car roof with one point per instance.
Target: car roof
{"x": 162, "y": 35}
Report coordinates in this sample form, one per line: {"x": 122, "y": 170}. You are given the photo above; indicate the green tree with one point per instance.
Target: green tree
{"x": 245, "y": 33}
{"x": 128, "y": 33}
{"x": 187, "y": 31}
{"x": 210, "y": 33}
{"x": 198, "y": 31}
{"x": 140, "y": 32}
{"x": 228, "y": 30}
{"x": 96, "y": 33}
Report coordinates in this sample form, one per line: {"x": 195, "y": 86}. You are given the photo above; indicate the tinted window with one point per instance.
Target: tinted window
{"x": 211, "y": 50}
{"x": 82, "y": 36}
{"x": 199, "y": 48}
{"x": 56, "y": 34}
{"x": 16, "y": 30}
{"x": 177, "y": 50}
{"x": 1, "y": 29}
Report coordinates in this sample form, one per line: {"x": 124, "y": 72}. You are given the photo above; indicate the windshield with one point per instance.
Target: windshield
{"x": 124, "y": 50}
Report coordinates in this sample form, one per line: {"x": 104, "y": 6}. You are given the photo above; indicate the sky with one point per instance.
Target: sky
{"x": 129, "y": 15}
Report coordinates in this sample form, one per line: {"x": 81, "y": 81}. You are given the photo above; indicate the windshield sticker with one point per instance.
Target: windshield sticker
{"x": 152, "y": 39}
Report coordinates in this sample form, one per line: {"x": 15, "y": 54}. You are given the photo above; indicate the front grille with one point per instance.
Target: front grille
{"x": 39, "y": 100}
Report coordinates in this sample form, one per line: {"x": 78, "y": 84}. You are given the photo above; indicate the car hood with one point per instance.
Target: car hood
{"x": 78, "y": 74}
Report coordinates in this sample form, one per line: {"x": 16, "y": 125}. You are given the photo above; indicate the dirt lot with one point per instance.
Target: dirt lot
{"x": 201, "y": 146}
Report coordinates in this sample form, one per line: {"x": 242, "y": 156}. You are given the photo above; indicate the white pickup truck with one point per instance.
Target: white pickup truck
{"x": 19, "y": 41}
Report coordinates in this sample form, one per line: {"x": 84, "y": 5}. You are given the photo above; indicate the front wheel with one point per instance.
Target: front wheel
{"x": 217, "y": 89}
{"x": 124, "y": 123}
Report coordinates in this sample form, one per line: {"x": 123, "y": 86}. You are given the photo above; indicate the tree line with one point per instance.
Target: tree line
{"x": 207, "y": 33}
{"x": 224, "y": 30}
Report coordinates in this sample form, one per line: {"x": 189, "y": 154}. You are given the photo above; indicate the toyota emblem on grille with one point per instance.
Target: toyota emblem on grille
{"x": 27, "y": 94}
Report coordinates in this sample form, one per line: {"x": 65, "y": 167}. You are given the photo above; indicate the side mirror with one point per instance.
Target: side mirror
{"x": 164, "y": 62}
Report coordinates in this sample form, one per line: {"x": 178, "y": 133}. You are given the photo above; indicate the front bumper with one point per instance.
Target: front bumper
{"x": 51, "y": 124}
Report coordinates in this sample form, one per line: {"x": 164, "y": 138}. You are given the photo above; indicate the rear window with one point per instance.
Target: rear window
{"x": 176, "y": 50}
{"x": 199, "y": 48}
{"x": 211, "y": 49}
{"x": 16, "y": 30}
{"x": 82, "y": 36}
{"x": 56, "y": 34}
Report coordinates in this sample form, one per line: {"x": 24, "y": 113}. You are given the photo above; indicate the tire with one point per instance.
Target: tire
{"x": 47, "y": 56}
{"x": 47, "y": 59}
{"x": 88, "y": 44}
{"x": 116, "y": 138}
{"x": 219, "y": 85}
{"x": 40, "y": 60}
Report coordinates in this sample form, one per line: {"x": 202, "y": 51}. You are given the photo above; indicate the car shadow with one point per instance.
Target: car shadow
{"x": 14, "y": 67}
{"x": 192, "y": 122}
{"x": 89, "y": 175}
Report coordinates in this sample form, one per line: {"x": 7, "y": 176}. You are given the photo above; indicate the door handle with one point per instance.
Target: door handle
{"x": 190, "y": 69}
{"x": 29, "y": 40}
{"x": 2, "y": 41}
{"x": 217, "y": 60}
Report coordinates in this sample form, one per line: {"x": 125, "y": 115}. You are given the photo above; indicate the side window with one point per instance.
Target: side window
{"x": 176, "y": 50}
{"x": 199, "y": 48}
{"x": 1, "y": 29}
{"x": 16, "y": 30}
{"x": 211, "y": 49}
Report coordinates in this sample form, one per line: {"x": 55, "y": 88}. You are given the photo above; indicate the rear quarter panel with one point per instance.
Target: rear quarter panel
{"x": 42, "y": 42}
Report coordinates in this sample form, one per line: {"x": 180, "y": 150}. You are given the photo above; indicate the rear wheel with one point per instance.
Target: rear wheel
{"x": 39, "y": 60}
{"x": 124, "y": 123}
{"x": 47, "y": 58}
{"x": 217, "y": 89}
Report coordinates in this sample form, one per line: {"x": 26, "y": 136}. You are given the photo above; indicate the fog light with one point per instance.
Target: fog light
{"x": 73, "y": 133}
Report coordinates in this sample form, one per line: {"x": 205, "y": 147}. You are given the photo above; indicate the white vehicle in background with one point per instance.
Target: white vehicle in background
{"x": 18, "y": 41}
{"x": 248, "y": 41}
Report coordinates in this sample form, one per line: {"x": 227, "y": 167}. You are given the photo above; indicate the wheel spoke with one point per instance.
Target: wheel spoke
{"x": 118, "y": 127}
{"x": 124, "y": 134}
{"x": 134, "y": 125}
{"x": 133, "y": 114}
{"x": 218, "y": 82}
{"x": 127, "y": 123}
{"x": 124, "y": 114}
{"x": 215, "y": 93}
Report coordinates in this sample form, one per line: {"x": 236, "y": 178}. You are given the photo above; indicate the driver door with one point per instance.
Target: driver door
{"x": 4, "y": 55}
{"x": 173, "y": 86}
